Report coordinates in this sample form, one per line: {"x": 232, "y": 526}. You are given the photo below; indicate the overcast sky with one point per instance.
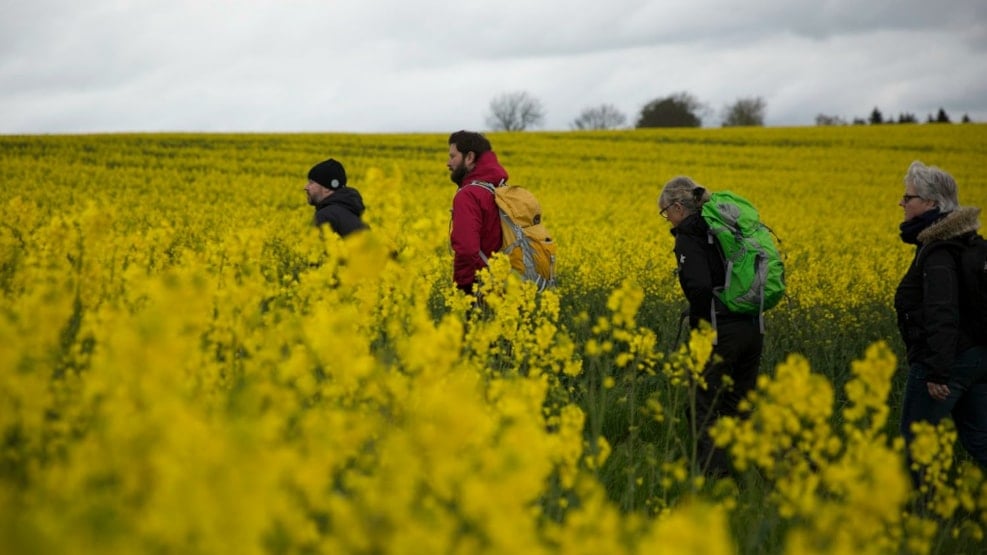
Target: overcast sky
{"x": 71, "y": 66}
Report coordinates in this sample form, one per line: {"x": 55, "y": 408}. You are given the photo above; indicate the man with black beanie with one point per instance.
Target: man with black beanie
{"x": 335, "y": 203}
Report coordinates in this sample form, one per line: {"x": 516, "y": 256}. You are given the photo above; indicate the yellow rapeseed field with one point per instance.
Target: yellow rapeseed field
{"x": 189, "y": 366}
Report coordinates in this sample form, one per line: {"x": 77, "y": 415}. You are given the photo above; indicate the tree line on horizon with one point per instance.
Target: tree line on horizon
{"x": 877, "y": 117}
{"x": 519, "y": 111}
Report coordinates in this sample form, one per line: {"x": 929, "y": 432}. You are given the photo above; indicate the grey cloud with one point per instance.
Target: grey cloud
{"x": 416, "y": 66}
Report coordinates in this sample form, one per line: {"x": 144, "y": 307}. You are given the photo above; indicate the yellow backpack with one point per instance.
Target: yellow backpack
{"x": 526, "y": 239}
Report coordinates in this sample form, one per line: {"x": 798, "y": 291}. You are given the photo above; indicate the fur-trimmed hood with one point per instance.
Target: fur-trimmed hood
{"x": 964, "y": 219}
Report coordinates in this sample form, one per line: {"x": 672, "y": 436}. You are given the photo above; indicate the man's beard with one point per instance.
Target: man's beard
{"x": 458, "y": 174}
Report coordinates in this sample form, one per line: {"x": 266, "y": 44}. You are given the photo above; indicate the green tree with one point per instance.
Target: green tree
{"x": 676, "y": 110}
{"x": 876, "y": 117}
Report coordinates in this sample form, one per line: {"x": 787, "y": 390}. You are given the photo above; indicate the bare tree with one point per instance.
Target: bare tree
{"x": 604, "y": 116}
{"x": 515, "y": 111}
{"x": 745, "y": 112}
{"x": 823, "y": 119}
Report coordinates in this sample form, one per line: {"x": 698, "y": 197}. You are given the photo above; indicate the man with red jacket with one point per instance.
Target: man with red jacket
{"x": 475, "y": 224}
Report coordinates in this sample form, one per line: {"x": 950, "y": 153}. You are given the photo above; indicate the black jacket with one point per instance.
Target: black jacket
{"x": 700, "y": 269}
{"x": 927, "y": 300}
{"x": 342, "y": 211}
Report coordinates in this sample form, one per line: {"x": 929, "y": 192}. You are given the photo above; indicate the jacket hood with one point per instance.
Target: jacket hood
{"x": 487, "y": 169}
{"x": 964, "y": 219}
{"x": 346, "y": 197}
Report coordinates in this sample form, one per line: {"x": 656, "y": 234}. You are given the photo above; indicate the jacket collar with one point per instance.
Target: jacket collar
{"x": 693, "y": 224}
{"x": 964, "y": 219}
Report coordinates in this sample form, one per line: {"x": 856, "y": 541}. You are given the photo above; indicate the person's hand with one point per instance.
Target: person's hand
{"x": 938, "y": 391}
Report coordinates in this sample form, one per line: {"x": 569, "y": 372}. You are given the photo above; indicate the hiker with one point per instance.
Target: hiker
{"x": 475, "y": 226}
{"x": 947, "y": 361}
{"x": 335, "y": 204}
{"x": 739, "y": 340}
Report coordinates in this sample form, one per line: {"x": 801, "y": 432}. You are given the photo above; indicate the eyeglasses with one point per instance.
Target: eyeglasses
{"x": 905, "y": 199}
{"x": 663, "y": 212}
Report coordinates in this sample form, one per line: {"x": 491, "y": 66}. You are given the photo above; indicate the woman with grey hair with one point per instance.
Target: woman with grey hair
{"x": 739, "y": 340}
{"x": 946, "y": 351}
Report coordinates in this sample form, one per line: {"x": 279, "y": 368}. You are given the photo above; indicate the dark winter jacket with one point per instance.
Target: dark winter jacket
{"x": 475, "y": 225}
{"x": 927, "y": 299}
{"x": 342, "y": 211}
{"x": 700, "y": 269}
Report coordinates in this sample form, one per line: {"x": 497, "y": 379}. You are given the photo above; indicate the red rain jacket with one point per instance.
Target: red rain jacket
{"x": 475, "y": 221}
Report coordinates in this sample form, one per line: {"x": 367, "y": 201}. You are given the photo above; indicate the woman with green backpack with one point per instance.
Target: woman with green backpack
{"x": 702, "y": 272}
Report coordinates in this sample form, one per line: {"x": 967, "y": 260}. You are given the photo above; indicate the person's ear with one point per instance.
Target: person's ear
{"x": 470, "y": 158}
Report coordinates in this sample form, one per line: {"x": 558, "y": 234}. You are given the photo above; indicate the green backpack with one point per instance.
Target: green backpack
{"x": 755, "y": 273}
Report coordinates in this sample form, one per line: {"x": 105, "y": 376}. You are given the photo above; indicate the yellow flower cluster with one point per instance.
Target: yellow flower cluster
{"x": 849, "y": 491}
{"x": 946, "y": 491}
{"x": 189, "y": 366}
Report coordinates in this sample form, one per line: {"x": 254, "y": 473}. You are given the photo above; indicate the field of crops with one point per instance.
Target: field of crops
{"x": 189, "y": 366}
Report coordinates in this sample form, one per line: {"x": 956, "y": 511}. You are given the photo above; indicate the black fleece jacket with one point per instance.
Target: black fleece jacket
{"x": 342, "y": 211}
{"x": 700, "y": 269}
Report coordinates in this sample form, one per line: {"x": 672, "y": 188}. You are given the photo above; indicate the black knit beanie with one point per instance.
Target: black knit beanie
{"x": 329, "y": 173}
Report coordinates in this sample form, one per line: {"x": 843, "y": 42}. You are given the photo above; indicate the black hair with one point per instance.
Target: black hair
{"x": 469, "y": 141}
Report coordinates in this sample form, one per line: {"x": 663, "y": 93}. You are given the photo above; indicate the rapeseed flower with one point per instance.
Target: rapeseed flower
{"x": 185, "y": 373}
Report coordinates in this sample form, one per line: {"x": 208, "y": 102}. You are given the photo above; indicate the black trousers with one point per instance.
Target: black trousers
{"x": 739, "y": 344}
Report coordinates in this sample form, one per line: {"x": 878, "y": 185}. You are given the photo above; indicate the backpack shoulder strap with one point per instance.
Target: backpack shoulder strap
{"x": 971, "y": 258}
{"x": 488, "y": 186}
{"x": 491, "y": 188}
{"x": 954, "y": 247}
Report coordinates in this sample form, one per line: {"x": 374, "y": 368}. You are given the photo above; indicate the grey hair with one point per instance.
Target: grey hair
{"x": 680, "y": 189}
{"x": 932, "y": 183}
